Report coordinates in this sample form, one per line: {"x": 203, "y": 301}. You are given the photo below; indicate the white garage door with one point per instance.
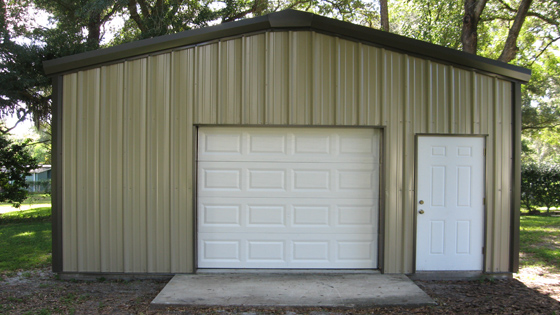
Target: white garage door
{"x": 287, "y": 198}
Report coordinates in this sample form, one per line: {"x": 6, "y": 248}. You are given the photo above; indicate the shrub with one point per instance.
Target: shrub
{"x": 540, "y": 185}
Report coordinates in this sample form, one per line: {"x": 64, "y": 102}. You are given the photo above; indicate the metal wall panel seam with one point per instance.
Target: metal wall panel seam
{"x": 120, "y": 172}
{"x": 57, "y": 213}
{"x": 495, "y": 107}
{"x": 516, "y": 176}
{"x": 382, "y": 86}
{"x": 408, "y": 169}
{"x": 267, "y": 77}
{"x": 174, "y": 147}
{"x": 506, "y": 175}
{"x": 190, "y": 152}
{"x": 243, "y": 106}
{"x": 80, "y": 173}
{"x": 451, "y": 83}
{"x": 93, "y": 156}
{"x": 338, "y": 83}
{"x": 68, "y": 170}
{"x": 291, "y": 77}
{"x": 397, "y": 60}
{"x": 429, "y": 97}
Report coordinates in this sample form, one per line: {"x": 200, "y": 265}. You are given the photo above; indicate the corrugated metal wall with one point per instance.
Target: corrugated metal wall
{"x": 128, "y": 137}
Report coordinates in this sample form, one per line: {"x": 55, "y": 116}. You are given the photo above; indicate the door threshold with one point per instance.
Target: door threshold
{"x": 290, "y": 271}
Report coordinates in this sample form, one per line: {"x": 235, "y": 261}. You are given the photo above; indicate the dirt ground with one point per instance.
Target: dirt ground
{"x": 532, "y": 291}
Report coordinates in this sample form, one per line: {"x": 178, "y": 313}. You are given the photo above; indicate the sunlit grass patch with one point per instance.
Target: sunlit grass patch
{"x": 25, "y": 239}
{"x": 21, "y": 216}
{"x": 540, "y": 242}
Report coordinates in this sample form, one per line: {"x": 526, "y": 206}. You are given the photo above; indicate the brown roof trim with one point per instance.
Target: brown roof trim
{"x": 287, "y": 19}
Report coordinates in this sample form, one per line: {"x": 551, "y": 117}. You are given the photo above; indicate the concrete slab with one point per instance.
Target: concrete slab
{"x": 303, "y": 290}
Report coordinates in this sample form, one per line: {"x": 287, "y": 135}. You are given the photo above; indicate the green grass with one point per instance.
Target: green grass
{"x": 32, "y": 199}
{"x": 22, "y": 216}
{"x": 540, "y": 242}
{"x": 25, "y": 239}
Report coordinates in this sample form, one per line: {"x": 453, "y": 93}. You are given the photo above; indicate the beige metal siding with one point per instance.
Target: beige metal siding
{"x": 111, "y": 167}
{"x": 135, "y": 167}
{"x": 69, "y": 173}
{"x": 128, "y": 133}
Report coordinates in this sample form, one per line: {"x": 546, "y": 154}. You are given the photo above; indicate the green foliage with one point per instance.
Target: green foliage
{"x": 540, "y": 185}
{"x": 16, "y": 163}
{"x": 434, "y": 21}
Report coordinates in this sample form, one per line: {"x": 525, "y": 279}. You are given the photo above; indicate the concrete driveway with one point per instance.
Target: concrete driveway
{"x": 291, "y": 289}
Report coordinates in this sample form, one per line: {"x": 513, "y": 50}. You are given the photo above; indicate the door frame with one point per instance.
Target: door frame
{"x": 415, "y": 206}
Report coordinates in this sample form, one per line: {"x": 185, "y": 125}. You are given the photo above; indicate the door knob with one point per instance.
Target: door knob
{"x": 421, "y": 211}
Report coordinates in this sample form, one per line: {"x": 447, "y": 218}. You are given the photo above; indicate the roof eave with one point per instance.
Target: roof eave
{"x": 291, "y": 19}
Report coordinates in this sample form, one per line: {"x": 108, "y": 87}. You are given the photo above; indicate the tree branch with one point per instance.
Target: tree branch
{"x": 135, "y": 16}
{"x": 543, "y": 50}
{"x": 530, "y": 13}
{"x": 510, "y": 47}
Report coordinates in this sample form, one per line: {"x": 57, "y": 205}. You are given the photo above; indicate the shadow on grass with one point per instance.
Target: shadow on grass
{"x": 25, "y": 246}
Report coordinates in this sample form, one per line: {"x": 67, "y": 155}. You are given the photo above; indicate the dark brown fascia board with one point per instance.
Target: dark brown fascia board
{"x": 287, "y": 19}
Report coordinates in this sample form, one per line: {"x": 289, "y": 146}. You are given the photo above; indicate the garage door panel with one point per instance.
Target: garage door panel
{"x": 282, "y": 180}
{"x": 302, "y": 216}
{"x": 288, "y": 251}
{"x": 287, "y": 198}
{"x": 288, "y": 145}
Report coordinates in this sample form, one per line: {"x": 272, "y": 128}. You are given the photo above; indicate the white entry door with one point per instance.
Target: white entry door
{"x": 287, "y": 197}
{"x": 450, "y": 204}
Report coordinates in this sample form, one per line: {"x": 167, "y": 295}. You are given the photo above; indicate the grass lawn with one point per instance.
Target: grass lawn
{"x": 33, "y": 201}
{"x": 540, "y": 242}
{"x": 25, "y": 239}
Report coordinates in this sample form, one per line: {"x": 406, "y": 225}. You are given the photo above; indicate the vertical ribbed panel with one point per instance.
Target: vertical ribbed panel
{"x": 207, "y": 80}
{"x": 324, "y": 86}
{"x": 229, "y": 78}
{"x": 254, "y": 84}
{"x": 300, "y": 78}
{"x": 87, "y": 171}
{"x": 277, "y": 79}
{"x": 182, "y": 147}
{"x": 129, "y": 145}
{"x": 347, "y": 86}
{"x": 158, "y": 171}
{"x": 135, "y": 167}
{"x": 111, "y": 167}
{"x": 69, "y": 173}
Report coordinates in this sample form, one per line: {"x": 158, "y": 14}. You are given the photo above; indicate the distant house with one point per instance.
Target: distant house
{"x": 39, "y": 180}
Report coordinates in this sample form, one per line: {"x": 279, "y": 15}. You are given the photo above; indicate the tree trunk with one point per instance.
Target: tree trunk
{"x": 384, "y": 15}
{"x": 469, "y": 35}
{"x": 135, "y": 16}
{"x": 510, "y": 48}
{"x": 94, "y": 31}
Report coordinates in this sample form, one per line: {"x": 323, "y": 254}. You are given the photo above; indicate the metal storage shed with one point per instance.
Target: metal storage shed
{"x": 284, "y": 141}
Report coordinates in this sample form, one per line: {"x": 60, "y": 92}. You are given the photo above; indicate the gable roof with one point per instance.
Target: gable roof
{"x": 286, "y": 20}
